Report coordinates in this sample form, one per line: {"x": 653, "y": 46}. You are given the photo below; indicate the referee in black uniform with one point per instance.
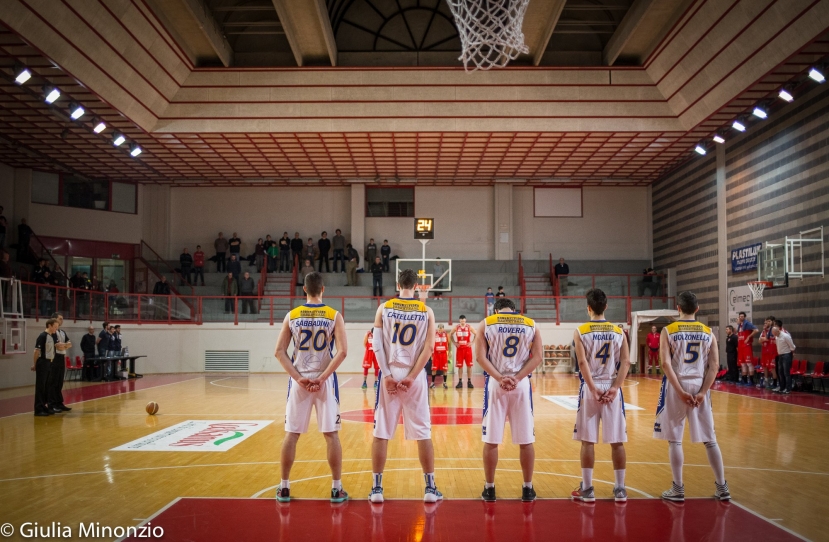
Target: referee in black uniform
{"x": 62, "y": 344}
{"x": 42, "y": 366}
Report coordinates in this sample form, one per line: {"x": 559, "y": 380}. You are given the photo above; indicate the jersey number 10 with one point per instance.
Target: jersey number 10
{"x": 406, "y": 335}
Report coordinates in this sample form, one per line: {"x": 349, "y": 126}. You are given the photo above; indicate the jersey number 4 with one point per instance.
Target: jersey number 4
{"x": 603, "y": 353}
{"x": 305, "y": 338}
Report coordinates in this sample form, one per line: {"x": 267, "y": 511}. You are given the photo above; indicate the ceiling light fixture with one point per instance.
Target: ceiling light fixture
{"x": 21, "y": 75}
{"x": 700, "y": 149}
{"x": 118, "y": 139}
{"x": 738, "y": 125}
{"x": 135, "y": 150}
{"x": 784, "y": 94}
{"x": 816, "y": 74}
{"x": 760, "y": 111}
{"x": 718, "y": 138}
{"x": 52, "y": 93}
{"x": 100, "y": 126}
{"x": 76, "y": 111}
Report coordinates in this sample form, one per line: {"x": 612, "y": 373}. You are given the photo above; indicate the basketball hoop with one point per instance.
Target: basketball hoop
{"x": 757, "y": 287}
{"x": 490, "y": 31}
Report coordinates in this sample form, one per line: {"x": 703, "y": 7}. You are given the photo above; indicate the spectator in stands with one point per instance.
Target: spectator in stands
{"x": 274, "y": 252}
{"x": 88, "y": 349}
{"x": 310, "y": 251}
{"x": 353, "y": 260}
{"x": 785, "y": 352}
{"x": 437, "y": 271}
{"x": 185, "y": 262}
{"x": 731, "y": 341}
{"x": 260, "y": 252}
{"x": 501, "y": 292}
{"x": 230, "y": 289}
{"x": 371, "y": 251}
{"x": 24, "y": 238}
{"x": 3, "y": 225}
{"x": 221, "y": 246}
{"x": 198, "y": 265}
{"x": 234, "y": 267}
{"x": 385, "y": 254}
{"x": 247, "y": 291}
{"x": 490, "y": 301}
{"x": 47, "y": 293}
{"x": 38, "y": 270}
{"x": 85, "y": 285}
{"x": 270, "y": 264}
{"x": 161, "y": 288}
{"x": 5, "y": 266}
{"x": 306, "y": 269}
{"x": 338, "y": 244}
{"x": 285, "y": 253}
{"x": 296, "y": 250}
{"x": 235, "y": 245}
{"x": 562, "y": 270}
{"x": 648, "y": 283}
{"x": 324, "y": 245}
{"x": 377, "y": 277}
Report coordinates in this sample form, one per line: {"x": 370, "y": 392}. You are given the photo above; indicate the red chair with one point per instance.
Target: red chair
{"x": 817, "y": 374}
{"x": 70, "y": 368}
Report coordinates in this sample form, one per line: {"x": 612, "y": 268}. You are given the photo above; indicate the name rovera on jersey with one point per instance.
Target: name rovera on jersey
{"x": 312, "y": 329}
{"x": 405, "y": 324}
{"x": 509, "y": 339}
{"x": 690, "y": 344}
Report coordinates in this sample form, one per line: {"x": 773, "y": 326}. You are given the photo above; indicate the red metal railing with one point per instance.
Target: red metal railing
{"x": 159, "y": 266}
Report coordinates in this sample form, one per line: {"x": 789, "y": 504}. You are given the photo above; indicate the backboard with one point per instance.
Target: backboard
{"x": 771, "y": 265}
{"x": 433, "y": 272}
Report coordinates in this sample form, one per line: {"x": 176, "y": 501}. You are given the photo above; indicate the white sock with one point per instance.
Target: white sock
{"x": 285, "y": 484}
{"x": 527, "y": 484}
{"x": 715, "y": 460}
{"x": 586, "y": 478}
{"x": 378, "y": 479}
{"x": 487, "y": 485}
{"x": 429, "y": 477}
{"x": 336, "y": 484}
{"x": 619, "y": 475}
{"x": 677, "y": 459}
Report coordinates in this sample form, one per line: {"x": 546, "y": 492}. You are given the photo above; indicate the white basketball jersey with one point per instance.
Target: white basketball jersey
{"x": 690, "y": 343}
{"x": 405, "y": 323}
{"x": 602, "y": 344}
{"x": 509, "y": 338}
{"x": 312, "y": 328}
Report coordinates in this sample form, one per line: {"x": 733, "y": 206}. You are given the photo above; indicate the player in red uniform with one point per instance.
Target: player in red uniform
{"x": 768, "y": 355}
{"x": 463, "y": 335}
{"x": 653, "y": 347}
{"x": 369, "y": 360}
{"x": 440, "y": 356}
{"x": 745, "y": 352}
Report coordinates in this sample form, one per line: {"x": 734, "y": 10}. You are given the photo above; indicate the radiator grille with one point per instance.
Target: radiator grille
{"x": 227, "y": 360}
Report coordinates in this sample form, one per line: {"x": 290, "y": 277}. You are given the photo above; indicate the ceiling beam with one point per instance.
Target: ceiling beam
{"x": 194, "y": 28}
{"x": 308, "y": 29}
{"x": 211, "y": 29}
{"x": 641, "y": 29}
{"x": 539, "y": 22}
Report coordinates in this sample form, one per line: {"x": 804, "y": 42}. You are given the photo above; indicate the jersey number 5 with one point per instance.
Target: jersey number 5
{"x": 692, "y": 352}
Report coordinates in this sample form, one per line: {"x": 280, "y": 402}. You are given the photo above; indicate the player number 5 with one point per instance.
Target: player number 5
{"x": 692, "y": 352}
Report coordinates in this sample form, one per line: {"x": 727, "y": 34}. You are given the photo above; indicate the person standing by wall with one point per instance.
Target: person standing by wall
{"x": 42, "y": 366}
{"x": 489, "y": 299}
{"x": 731, "y": 354}
{"x": 768, "y": 354}
{"x": 296, "y": 250}
{"x": 234, "y": 266}
{"x": 324, "y": 245}
{"x": 247, "y": 291}
{"x": 235, "y": 246}
{"x": 230, "y": 289}
{"x": 385, "y": 254}
{"x": 56, "y": 376}
{"x": 198, "y": 265}
{"x": 260, "y": 253}
{"x": 185, "y": 261}
{"x": 162, "y": 291}
{"x": 24, "y": 238}
{"x": 88, "y": 349}
{"x": 377, "y": 278}
{"x": 371, "y": 251}
{"x": 561, "y": 271}
{"x": 652, "y": 341}
{"x": 745, "y": 351}
{"x": 352, "y": 261}
{"x": 285, "y": 260}
{"x": 310, "y": 251}
{"x": 338, "y": 244}
{"x": 275, "y": 256}
{"x": 221, "y": 246}
{"x": 785, "y": 353}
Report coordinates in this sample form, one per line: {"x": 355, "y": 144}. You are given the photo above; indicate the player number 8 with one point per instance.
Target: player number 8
{"x": 511, "y": 347}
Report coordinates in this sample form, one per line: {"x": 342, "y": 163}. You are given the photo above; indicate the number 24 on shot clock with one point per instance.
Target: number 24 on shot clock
{"x": 424, "y": 228}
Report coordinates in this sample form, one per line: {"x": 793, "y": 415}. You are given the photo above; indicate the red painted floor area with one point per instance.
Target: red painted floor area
{"x": 463, "y": 520}
{"x": 25, "y": 403}
{"x": 440, "y": 416}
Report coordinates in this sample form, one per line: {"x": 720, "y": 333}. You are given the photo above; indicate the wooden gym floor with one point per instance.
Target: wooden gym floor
{"x": 63, "y": 469}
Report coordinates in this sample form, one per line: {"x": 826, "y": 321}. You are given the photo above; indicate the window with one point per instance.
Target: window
{"x": 389, "y": 201}
{"x": 80, "y": 192}
{"x": 45, "y": 188}
{"x": 123, "y": 197}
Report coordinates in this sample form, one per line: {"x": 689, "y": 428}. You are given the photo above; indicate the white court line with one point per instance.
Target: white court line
{"x": 259, "y": 493}
{"x": 213, "y": 383}
{"x": 761, "y": 516}
{"x": 772, "y": 401}
{"x": 152, "y": 517}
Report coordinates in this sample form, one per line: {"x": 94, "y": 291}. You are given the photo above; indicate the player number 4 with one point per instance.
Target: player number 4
{"x": 603, "y": 353}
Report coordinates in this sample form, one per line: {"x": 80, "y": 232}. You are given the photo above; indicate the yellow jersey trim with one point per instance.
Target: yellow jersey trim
{"x": 603, "y": 327}
{"x": 405, "y": 305}
{"x": 680, "y": 326}
{"x": 303, "y": 311}
{"x": 510, "y": 319}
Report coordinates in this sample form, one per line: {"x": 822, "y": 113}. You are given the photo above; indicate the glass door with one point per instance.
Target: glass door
{"x": 112, "y": 273}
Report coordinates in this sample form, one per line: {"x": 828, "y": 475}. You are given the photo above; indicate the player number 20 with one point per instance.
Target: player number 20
{"x": 406, "y": 335}
{"x": 319, "y": 340}
{"x": 511, "y": 347}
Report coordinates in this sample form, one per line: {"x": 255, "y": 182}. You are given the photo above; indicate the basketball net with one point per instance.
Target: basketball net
{"x": 490, "y": 31}
{"x": 757, "y": 288}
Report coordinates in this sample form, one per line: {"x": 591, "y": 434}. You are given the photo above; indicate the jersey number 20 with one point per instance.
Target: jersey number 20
{"x": 305, "y": 338}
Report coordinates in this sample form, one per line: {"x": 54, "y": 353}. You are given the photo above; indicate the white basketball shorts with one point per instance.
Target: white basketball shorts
{"x": 326, "y": 401}
{"x": 671, "y": 413}
{"x": 413, "y": 404}
{"x": 514, "y": 405}
{"x": 591, "y": 413}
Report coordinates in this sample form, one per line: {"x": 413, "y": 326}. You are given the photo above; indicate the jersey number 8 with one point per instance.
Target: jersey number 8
{"x": 305, "y": 338}
{"x": 511, "y": 347}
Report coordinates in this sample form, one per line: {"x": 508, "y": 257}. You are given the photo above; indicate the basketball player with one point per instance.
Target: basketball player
{"x": 440, "y": 357}
{"x": 653, "y": 347}
{"x": 315, "y": 330}
{"x": 509, "y": 353}
{"x": 692, "y": 361}
{"x": 369, "y": 359}
{"x": 463, "y": 336}
{"x": 745, "y": 354}
{"x": 404, "y": 331}
{"x": 768, "y": 354}
{"x": 604, "y": 359}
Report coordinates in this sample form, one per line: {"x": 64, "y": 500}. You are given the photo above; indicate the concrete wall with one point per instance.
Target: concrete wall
{"x": 180, "y": 348}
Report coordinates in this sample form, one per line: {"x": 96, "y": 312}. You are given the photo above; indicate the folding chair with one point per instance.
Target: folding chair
{"x": 817, "y": 374}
